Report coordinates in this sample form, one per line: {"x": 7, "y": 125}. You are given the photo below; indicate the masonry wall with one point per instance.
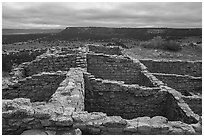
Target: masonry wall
{"x": 183, "y": 84}
{"x": 131, "y": 101}
{"x": 38, "y": 87}
{"x": 192, "y": 68}
{"x": 70, "y": 51}
{"x": 70, "y": 92}
{"x": 195, "y": 103}
{"x": 116, "y": 68}
{"x": 118, "y": 99}
{"x": 19, "y": 116}
{"x": 11, "y": 58}
{"x": 110, "y": 50}
{"x": 176, "y": 107}
{"x": 64, "y": 115}
{"x": 51, "y": 63}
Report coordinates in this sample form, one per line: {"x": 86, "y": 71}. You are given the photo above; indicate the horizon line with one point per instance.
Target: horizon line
{"x": 110, "y": 27}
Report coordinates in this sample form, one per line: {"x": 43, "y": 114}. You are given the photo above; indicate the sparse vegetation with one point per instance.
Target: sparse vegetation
{"x": 159, "y": 43}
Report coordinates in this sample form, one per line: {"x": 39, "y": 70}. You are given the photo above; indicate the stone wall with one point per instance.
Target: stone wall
{"x": 182, "y": 83}
{"x": 64, "y": 50}
{"x": 70, "y": 93}
{"x": 178, "y": 109}
{"x": 38, "y": 87}
{"x": 64, "y": 114}
{"x": 192, "y": 68}
{"x": 136, "y": 92}
{"x": 110, "y": 50}
{"x": 131, "y": 101}
{"x": 117, "y": 68}
{"x": 195, "y": 103}
{"x": 118, "y": 99}
{"x": 51, "y": 63}
{"x": 11, "y": 58}
{"x": 19, "y": 116}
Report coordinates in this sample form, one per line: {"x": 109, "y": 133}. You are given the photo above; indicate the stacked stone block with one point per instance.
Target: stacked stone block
{"x": 15, "y": 58}
{"x": 184, "y": 76}
{"x": 192, "y": 68}
{"x": 117, "y": 68}
{"x": 119, "y": 99}
{"x": 109, "y": 50}
{"x": 51, "y": 63}
{"x": 22, "y": 117}
{"x": 136, "y": 95}
{"x": 184, "y": 84}
{"x": 38, "y": 87}
{"x": 195, "y": 103}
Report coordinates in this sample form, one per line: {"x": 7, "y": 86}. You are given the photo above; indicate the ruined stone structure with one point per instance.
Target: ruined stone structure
{"x": 98, "y": 90}
{"x": 9, "y": 58}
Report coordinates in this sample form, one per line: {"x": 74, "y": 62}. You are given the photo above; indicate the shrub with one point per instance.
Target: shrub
{"x": 155, "y": 43}
{"x": 119, "y": 43}
{"x": 145, "y": 44}
{"x": 159, "y": 43}
{"x": 172, "y": 46}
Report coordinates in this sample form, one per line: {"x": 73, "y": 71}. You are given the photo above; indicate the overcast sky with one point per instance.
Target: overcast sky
{"x": 136, "y": 14}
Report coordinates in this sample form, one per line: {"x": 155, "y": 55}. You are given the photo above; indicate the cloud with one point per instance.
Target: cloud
{"x": 135, "y": 14}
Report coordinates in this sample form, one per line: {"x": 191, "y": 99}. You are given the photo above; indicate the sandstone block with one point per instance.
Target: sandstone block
{"x": 63, "y": 121}
{"x": 70, "y": 132}
{"x": 114, "y": 121}
{"x": 34, "y": 132}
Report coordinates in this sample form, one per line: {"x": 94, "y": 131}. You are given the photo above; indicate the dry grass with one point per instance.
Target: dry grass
{"x": 187, "y": 53}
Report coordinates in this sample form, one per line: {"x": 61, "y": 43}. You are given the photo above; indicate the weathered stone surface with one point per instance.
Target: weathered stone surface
{"x": 42, "y": 113}
{"x": 158, "y": 120}
{"x": 62, "y": 113}
{"x": 46, "y": 122}
{"x": 171, "y": 66}
{"x": 63, "y": 121}
{"x": 86, "y": 117}
{"x": 131, "y": 129}
{"x": 114, "y": 121}
{"x": 70, "y": 132}
{"x": 104, "y": 49}
{"x": 15, "y": 104}
{"x": 34, "y": 132}
{"x": 94, "y": 131}
{"x": 143, "y": 125}
{"x": 24, "y": 111}
{"x": 128, "y": 102}
{"x": 198, "y": 126}
{"x": 50, "y": 132}
{"x": 38, "y": 87}
{"x": 177, "y": 126}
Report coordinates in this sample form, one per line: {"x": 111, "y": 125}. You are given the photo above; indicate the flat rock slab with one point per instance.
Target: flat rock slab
{"x": 34, "y": 132}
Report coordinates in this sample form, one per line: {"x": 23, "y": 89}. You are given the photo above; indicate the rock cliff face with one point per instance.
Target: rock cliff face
{"x": 96, "y": 94}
